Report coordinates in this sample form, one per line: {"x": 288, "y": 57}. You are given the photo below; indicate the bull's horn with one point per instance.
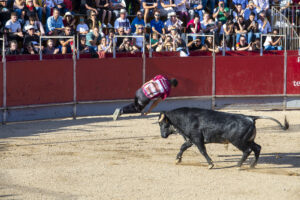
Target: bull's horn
{"x": 161, "y": 117}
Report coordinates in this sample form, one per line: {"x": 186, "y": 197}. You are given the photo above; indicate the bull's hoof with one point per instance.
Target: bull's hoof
{"x": 239, "y": 168}
{"x": 178, "y": 161}
{"x": 211, "y": 166}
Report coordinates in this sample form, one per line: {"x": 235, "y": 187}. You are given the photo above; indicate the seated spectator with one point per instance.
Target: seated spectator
{"x": 50, "y": 49}
{"x": 69, "y": 20}
{"x": 196, "y": 45}
{"x": 194, "y": 26}
{"x": 93, "y": 39}
{"x": 243, "y": 3}
{"x": 68, "y": 5}
{"x": 66, "y": 43}
{"x": 83, "y": 48}
{"x": 29, "y": 49}
{"x": 138, "y": 41}
{"x": 154, "y": 42}
{"x": 59, "y": 4}
{"x": 82, "y": 27}
{"x": 127, "y": 47}
{"x": 138, "y": 20}
{"x": 262, "y": 5}
{"x": 123, "y": 22}
{"x": 38, "y": 26}
{"x": 173, "y": 21}
{"x": 238, "y": 12}
{"x": 18, "y": 7}
{"x": 205, "y": 21}
{"x": 157, "y": 26}
{"x": 264, "y": 26}
{"x": 250, "y": 9}
{"x": 32, "y": 38}
{"x": 104, "y": 46}
{"x": 13, "y": 48}
{"x": 110, "y": 36}
{"x": 116, "y": 6}
{"x": 120, "y": 32}
{"x": 54, "y": 23}
{"x": 4, "y": 15}
{"x": 181, "y": 10}
{"x": 30, "y": 10}
{"x": 48, "y": 6}
{"x": 197, "y": 7}
{"x": 91, "y": 5}
{"x": 255, "y": 45}
{"x": 228, "y": 28}
{"x": 103, "y": 6}
{"x": 223, "y": 46}
{"x": 149, "y": 7}
{"x": 221, "y": 13}
{"x": 210, "y": 45}
{"x": 252, "y": 28}
{"x": 167, "y": 6}
{"x": 273, "y": 42}
{"x": 93, "y": 22}
{"x": 242, "y": 44}
{"x": 13, "y": 27}
{"x": 166, "y": 45}
{"x": 240, "y": 28}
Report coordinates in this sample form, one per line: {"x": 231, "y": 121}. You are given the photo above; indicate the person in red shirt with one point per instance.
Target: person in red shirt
{"x": 158, "y": 88}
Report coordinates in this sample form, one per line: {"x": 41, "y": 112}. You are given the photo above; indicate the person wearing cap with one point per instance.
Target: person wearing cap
{"x": 115, "y": 6}
{"x": 149, "y": 6}
{"x": 221, "y": 13}
{"x": 32, "y": 38}
{"x": 38, "y": 26}
{"x": 69, "y": 20}
{"x": 158, "y": 88}
{"x": 123, "y": 22}
{"x": 54, "y": 23}
{"x": 250, "y": 9}
{"x": 173, "y": 21}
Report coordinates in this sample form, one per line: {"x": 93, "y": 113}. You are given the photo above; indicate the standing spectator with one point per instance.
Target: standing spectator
{"x": 14, "y": 28}
{"x": 173, "y": 21}
{"x": 116, "y": 6}
{"x": 273, "y": 42}
{"x": 13, "y": 48}
{"x": 66, "y": 43}
{"x": 91, "y": 5}
{"x": 262, "y": 5}
{"x": 103, "y": 6}
{"x": 123, "y": 22}
{"x": 250, "y": 9}
{"x": 196, "y": 45}
{"x": 167, "y": 6}
{"x": 252, "y": 28}
{"x": 82, "y": 27}
{"x": 93, "y": 39}
{"x": 138, "y": 20}
{"x": 50, "y": 49}
{"x": 242, "y": 44}
{"x": 48, "y": 6}
{"x": 243, "y": 3}
{"x": 228, "y": 28}
{"x": 18, "y": 7}
{"x": 83, "y": 48}
{"x": 157, "y": 26}
{"x": 59, "y": 4}
{"x": 181, "y": 10}
{"x": 210, "y": 45}
{"x": 69, "y": 20}
{"x": 149, "y": 6}
{"x": 38, "y": 26}
{"x": 32, "y": 38}
{"x": 240, "y": 28}
{"x": 30, "y": 10}
{"x": 221, "y": 13}
{"x": 238, "y": 12}
{"x": 54, "y": 23}
{"x": 197, "y": 7}
{"x": 264, "y": 26}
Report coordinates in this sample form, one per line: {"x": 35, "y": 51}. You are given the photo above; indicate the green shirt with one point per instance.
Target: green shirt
{"x": 221, "y": 16}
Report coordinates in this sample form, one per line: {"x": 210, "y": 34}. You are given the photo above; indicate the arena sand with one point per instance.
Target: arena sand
{"x": 96, "y": 158}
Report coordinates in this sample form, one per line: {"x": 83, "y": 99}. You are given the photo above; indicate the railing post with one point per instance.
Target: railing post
{"x": 114, "y": 47}
{"x": 78, "y": 53}
{"x": 261, "y": 48}
{"x": 224, "y": 45}
{"x": 285, "y": 74}
{"x": 213, "y": 99}
{"x": 74, "y": 81}
{"x": 144, "y": 60}
{"x": 41, "y": 53}
{"x": 4, "y": 118}
{"x": 150, "y": 48}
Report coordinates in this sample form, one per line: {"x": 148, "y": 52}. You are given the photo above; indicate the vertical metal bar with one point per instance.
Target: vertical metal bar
{"x": 213, "y": 99}
{"x": 78, "y": 53}
{"x": 261, "y": 48}
{"x": 224, "y": 45}
{"x": 144, "y": 61}
{"x": 186, "y": 41}
{"x": 74, "y": 82}
{"x": 114, "y": 47}
{"x": 41, "y": 53}
{"x": 285, "y": 78}
{"x": 150, "y": 48}
{"x": 4, "y": 118}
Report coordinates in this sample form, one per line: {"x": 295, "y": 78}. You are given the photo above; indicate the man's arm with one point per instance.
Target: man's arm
{"x": 154, "y": 104}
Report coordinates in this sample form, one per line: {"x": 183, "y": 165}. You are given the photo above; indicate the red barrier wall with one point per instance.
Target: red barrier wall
{"x": 39, "y": 82}
{"x": 1, "y": 84}
{"x": 194, "y": 74}
{"x": 253, "y": 75}
{"x": 106, "y": 79}
{"x": 293, "y": 75}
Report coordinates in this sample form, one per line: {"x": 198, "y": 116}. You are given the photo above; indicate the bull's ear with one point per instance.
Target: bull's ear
{"x": 161, "y": 116}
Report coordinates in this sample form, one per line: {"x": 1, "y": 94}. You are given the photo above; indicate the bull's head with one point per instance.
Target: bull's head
{"x": 166, "y": 128}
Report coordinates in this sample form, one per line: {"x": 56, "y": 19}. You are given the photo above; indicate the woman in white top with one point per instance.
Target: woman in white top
{"x": 104, "y": 46}
{"x": 138, "y": 41}
{"x": 82, "y": 28}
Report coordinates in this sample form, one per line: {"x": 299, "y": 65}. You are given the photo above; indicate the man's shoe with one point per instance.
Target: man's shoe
{"x": 117, "y": 114}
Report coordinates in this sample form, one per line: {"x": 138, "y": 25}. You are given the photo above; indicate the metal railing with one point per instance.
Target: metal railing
{"x": 271, "y": 35}
{"x": 4, "y": 106}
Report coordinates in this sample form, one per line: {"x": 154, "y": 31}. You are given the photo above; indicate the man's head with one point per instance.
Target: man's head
{"x": 198, "y": 43}
{"x": 139, "y": 15}
{"x": 29, "y": 3}
{"x": 251, "y": 5}
{"x": 123, "y": 13}
{"x": 13, "y": 45}
{"x": 241, "y": 19}
{"x": 243, "y": 40}
{"x": 55, "y": 13}
{"x": 68, "y": 30}
{"x": 83, "y": 40}
{"x": 275, "y": 31}
{"x": 30, "y": 30}
{"x": 121, "y": 31}
{"x": 50, "y": 43}
{"x": 157, "y": 15}
{"x": 31, "y": 19}
{"x": 239, "y": 7}
{"x": 173, "y": 82}
{"x": 221, "y": 3}
{"x": 13, "y": 17}
{"x": 96, "y": 30}
{"x": 262, "y": 15}
{"x": 173, "y": 16}
{"x": 252, "y": 16}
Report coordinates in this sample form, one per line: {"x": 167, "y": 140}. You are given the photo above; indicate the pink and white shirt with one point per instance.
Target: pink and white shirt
{"x": 159, "y": 86}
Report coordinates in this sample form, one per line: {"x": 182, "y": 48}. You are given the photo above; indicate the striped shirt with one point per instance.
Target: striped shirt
{"x": 159, "y": 86}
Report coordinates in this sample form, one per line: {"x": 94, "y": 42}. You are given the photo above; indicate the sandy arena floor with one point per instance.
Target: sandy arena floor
{"x": 96, "y": 158}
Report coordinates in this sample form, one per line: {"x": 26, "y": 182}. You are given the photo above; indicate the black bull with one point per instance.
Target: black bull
{"x": 200, "y": 126}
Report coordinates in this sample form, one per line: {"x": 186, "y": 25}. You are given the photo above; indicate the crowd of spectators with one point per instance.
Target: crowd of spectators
{"x": 161, "y": 24}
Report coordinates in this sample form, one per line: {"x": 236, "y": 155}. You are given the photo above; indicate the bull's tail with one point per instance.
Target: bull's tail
{"x": 286, "y": 123}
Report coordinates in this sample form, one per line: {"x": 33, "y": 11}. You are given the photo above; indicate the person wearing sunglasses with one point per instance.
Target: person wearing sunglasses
{"x": 66, "y": 43}
{"x": 139, "y": 41}
{"x": 157, "y": 26}
{"x": 138, "y": 20}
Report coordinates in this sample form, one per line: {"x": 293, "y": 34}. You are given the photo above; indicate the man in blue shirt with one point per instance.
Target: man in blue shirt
{"x": 93, "y": 40}
{"x": 251, "y": 9}
{"x": 54, "y": 23}
{"x": 157, "y": 26}
{"x": 244, "y": 3}
{"x": 137, "y": 21}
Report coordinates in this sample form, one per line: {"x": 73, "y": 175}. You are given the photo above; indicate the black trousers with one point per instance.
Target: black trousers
{"x": 140, "y": 102}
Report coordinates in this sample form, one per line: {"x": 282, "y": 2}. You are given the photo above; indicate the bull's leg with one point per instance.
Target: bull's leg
{"x": 246, "y": 153}
{"x": 202, "y": 150}
{"x": 184, "y": 147}
{"x": 256, "y": 148}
